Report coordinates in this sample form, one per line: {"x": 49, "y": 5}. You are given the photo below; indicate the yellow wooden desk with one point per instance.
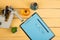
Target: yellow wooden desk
{"x": 49, "y": 10}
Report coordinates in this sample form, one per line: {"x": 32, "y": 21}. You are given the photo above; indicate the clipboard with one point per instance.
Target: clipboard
{"x": 36, "y": 29}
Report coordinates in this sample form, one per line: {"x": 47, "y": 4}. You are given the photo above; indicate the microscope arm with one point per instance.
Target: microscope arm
{"x": 16, "y": 13}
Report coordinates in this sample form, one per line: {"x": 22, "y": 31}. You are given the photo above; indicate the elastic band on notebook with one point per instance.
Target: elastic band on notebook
{"x": 43, "y": 25}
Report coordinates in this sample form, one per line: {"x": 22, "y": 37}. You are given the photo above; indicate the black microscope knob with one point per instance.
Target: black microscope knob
{"x": 0, "y": 23}
{"x": 35, "y": 4}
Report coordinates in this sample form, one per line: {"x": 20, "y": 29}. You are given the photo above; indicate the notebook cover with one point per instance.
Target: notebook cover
{"x": 36, "y": 29}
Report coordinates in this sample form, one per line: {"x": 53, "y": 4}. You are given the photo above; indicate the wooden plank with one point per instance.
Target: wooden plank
{"x": 45, "y": 13}
{"x": 56, "y": 32}
{"x": 56, "y": 38}
{"x": 20, "y": 35}
{"x": 49, "y": 10}
{"x": 52, "y": 15}
{"x": 51, "y": 22}
{"x": 6, "y": 34}
{"x": 26, "y": 3}
{"x": 14, "y": 39}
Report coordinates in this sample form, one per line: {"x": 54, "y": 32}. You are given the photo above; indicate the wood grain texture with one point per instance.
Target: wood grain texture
{"x": 49, "y": 11}
{"x": 26, "y": 3}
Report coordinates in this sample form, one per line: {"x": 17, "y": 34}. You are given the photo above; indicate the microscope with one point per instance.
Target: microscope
{"x": 7, "y": 15}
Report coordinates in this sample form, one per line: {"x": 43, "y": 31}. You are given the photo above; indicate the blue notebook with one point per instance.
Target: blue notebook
{"x": 36, "y": 29}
